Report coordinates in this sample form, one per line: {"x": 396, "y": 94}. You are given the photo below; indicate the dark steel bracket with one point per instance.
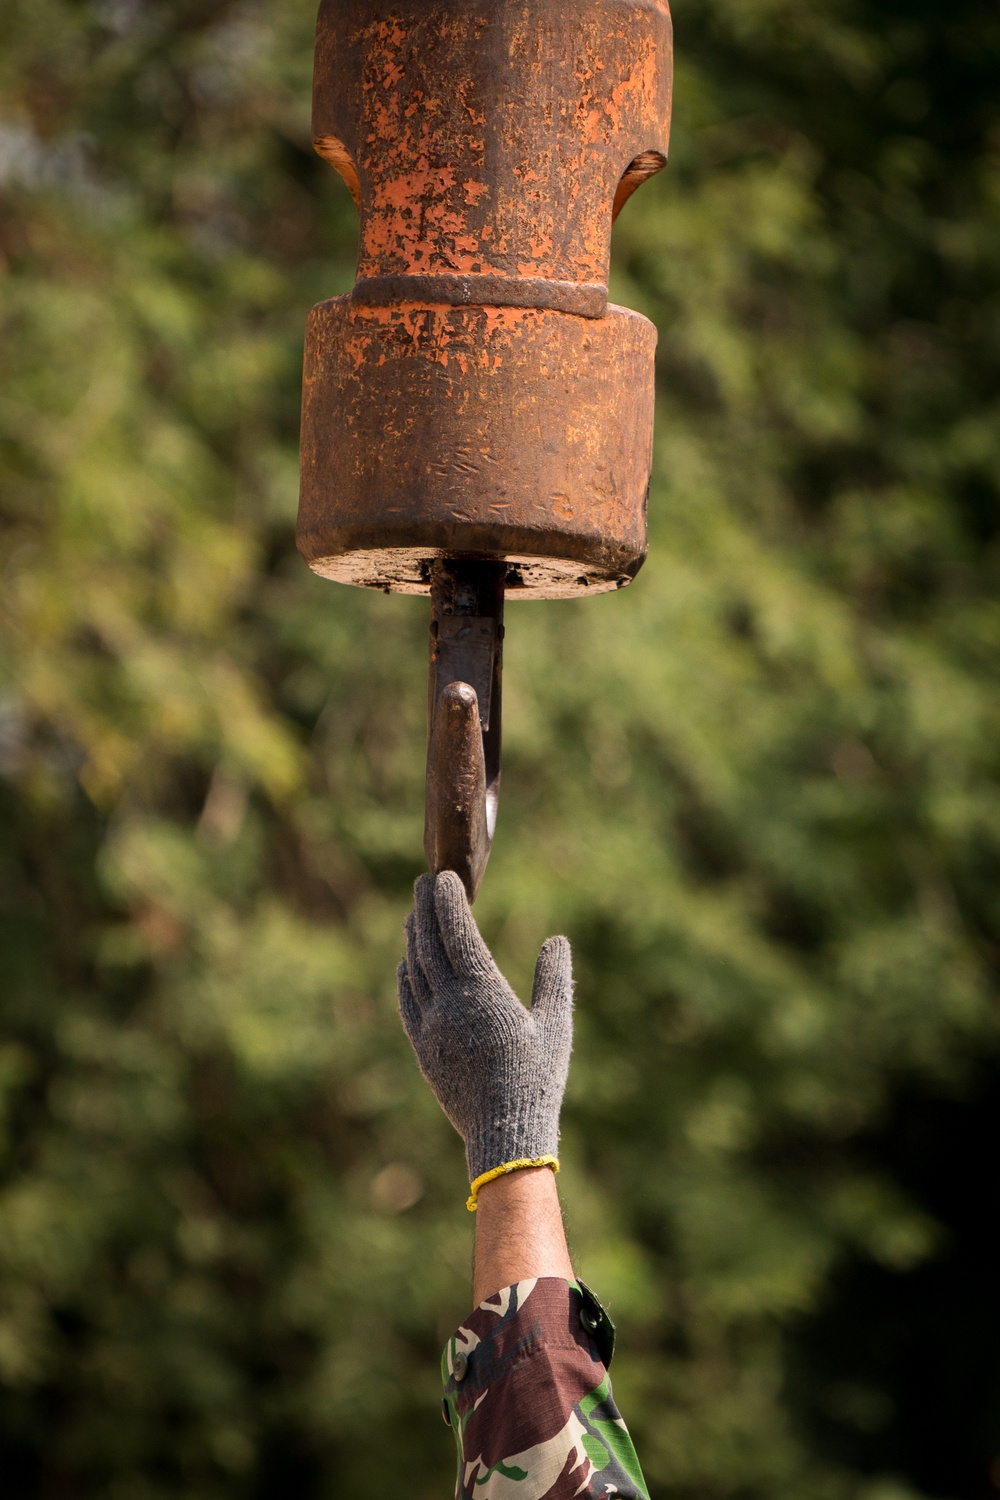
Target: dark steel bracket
{"x": 463, "y": 715}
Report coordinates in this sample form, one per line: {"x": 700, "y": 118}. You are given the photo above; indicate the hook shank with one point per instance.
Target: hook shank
{"x": 464, "y": 712}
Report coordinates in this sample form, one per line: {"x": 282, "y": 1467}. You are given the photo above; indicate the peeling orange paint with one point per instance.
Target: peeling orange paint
{"x": 494, "y": 142}
{"x": 436, "y": 107}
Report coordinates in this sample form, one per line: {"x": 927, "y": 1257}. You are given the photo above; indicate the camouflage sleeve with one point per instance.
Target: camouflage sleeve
{"x": 528, "y": 1396}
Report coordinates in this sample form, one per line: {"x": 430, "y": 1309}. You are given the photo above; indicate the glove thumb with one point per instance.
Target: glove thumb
{"x": 552, "y": 990}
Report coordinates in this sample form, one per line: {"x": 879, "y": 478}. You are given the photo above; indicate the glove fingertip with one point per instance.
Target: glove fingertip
{"x": 553, "y": 984}
{"x": 459, "y": 933}
{"x": 450, "y": 901}
{"x": 558, "y": 955}
{"x": 423, "y": 902}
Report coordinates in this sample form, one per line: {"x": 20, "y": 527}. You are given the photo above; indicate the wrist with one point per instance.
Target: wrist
{"x": 519, "y": 1164}
{"x": 507, "y": 1135}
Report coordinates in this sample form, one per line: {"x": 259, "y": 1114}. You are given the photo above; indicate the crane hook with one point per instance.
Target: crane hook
{"x": 463, "y": 715}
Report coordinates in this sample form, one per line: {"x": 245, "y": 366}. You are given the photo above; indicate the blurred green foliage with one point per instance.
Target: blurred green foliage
{"x": 759, "y": 790}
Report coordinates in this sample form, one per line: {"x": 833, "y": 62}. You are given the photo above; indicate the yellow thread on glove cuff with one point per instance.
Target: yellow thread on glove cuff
{"x": 508, "y": 1166}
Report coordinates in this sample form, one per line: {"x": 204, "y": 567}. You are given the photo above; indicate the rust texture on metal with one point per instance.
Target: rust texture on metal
{"x": 476, "y": 393}
{"x": 477, "y": 419}
{"x": 463, "y": 715}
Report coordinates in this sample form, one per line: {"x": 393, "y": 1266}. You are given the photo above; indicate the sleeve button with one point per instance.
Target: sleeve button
{"x": 589, "y": 1319}
{"x": 460, "y": 1366}
{"x": 445, "y": 1413}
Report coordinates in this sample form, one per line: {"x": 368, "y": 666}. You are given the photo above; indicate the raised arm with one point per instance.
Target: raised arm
{"x": 527, "y": 1391}
{"x": 519, "y": 1232}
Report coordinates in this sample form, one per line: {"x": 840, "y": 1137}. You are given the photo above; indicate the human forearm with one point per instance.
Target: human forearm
{"x": 526, "y": 1385}
{"x": 519, "y": 1232}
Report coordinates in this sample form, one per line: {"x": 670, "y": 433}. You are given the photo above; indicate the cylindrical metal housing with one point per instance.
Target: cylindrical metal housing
{"x": 475, "y": 393}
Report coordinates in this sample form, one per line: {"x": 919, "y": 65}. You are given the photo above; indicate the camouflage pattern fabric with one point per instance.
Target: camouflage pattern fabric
{"x": 528, "y": 1396}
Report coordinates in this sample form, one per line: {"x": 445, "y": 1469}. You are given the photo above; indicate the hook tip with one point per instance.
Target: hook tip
{"x": 456, "y": 831}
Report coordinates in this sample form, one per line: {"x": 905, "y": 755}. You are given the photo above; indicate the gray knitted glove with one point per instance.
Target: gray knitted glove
{"x": 498, "y": 1070}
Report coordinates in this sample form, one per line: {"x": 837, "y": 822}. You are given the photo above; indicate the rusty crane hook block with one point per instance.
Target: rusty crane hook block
{"x": 477, "y": 419}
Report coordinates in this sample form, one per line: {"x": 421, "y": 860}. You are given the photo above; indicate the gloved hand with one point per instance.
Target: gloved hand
{"x": 498, "y": 1069}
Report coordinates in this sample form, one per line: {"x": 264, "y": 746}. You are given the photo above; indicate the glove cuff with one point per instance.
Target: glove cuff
{"x": 525, "y": 1138}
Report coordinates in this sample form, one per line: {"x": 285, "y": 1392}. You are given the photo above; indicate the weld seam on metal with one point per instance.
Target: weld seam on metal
{"x": 584, "y": 299}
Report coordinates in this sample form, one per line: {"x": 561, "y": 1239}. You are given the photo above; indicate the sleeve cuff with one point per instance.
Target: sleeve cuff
{"x": 528, "y": 1396}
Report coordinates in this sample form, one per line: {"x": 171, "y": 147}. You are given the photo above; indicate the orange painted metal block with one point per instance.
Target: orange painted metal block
{"x": 475, "y": 394}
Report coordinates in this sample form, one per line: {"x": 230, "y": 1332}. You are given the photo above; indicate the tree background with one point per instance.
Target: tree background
{"x": 759, "y": 791}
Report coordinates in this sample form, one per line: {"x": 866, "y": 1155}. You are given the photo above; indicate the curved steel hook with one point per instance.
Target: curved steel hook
{"x": 463, "y": 745}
